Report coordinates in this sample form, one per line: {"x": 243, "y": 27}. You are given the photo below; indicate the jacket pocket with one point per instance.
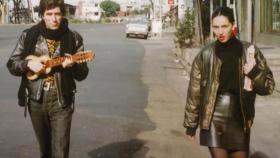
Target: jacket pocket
{"x": 202, "y": 91}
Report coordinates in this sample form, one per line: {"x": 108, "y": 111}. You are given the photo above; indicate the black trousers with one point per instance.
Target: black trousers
{"x": 51, "y": 124}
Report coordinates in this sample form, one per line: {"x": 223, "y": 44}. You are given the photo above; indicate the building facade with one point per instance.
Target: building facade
{"x": 265, "y": 20}
{"x": 130, "y": 5}
{"x": 257, "y": 20}
{"x": 88, "y": 10}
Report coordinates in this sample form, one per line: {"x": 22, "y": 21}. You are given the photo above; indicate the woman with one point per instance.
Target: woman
{"x": 223, "y": 85}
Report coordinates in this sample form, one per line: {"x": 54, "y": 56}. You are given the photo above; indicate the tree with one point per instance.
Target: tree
{"x": 110, "y": 8}
{"x": 185, "y": 30}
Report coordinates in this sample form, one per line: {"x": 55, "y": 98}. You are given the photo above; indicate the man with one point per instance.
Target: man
{"x": 50, "y": 97}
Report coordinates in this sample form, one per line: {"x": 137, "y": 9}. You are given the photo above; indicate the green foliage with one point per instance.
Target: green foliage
{"x": 185, "y": 30}
{"x": 110, "y": 8}
{"x": 36, "y": 8}
{"x": 75, "y": 21}
{"x": 79, "y": 21}
{"x": 105, "y": 20}
{"x": 144, "y": 11}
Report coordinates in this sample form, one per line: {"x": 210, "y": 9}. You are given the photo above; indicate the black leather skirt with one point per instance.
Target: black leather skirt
{"x": 226, "y": 130}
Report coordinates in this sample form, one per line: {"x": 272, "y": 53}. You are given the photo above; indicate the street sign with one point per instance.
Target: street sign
{"x": 171, "y": 2}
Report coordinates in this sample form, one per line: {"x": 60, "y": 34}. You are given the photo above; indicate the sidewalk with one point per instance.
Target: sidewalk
{"x": 167, "y": 82}
{"x": 165, "y": 108}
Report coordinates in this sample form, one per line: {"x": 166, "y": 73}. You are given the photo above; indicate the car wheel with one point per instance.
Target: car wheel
{"x": 127, "y": 35}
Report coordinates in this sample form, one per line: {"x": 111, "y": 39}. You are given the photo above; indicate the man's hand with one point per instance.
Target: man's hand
{"x": 68, "y": 62}
{"x": 35, "y": 65}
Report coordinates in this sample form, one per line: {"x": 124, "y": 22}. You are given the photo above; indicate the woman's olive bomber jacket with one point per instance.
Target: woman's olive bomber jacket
{"x": 64, "y": 79}
{"x": 204, "y": 83}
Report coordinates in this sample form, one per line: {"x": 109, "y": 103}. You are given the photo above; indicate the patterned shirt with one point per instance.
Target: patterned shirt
{"x": 52, "y": 46}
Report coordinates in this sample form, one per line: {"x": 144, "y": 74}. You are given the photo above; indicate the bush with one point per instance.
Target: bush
{"x": 185, "y": 30}
{"x": 105, "y": 20}
{"x": 75, "y": 21}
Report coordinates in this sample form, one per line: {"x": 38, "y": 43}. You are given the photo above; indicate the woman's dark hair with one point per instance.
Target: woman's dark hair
{"x": 50, "y": 4}
{"x": 224, "y": 11}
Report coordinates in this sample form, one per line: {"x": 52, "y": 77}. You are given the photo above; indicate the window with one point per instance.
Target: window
{"x": 96, "y": 13}
{"x": 96, "y": 4}
{"x": 276, "y": 15}
{"x": 270, "y": 16}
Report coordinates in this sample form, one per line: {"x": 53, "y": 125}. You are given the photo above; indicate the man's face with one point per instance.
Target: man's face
{"x": 222, "y": 28}
{"x": 53, "y": 18}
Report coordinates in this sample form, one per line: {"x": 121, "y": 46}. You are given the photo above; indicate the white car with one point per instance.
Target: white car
{"x": 137, "y": 27}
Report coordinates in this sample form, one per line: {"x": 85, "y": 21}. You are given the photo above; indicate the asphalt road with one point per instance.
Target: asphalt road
{"x": 109, "y": 105}
{"x": 132, "y": 103}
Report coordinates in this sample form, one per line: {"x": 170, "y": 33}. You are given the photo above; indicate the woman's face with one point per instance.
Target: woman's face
{"x": 222, "y": 28}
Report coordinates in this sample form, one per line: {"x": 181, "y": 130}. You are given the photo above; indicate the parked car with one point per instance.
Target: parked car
{"x": 137, "y": 27}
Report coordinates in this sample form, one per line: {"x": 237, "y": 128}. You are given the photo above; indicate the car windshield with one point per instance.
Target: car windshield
{"x": 138, "y": 21}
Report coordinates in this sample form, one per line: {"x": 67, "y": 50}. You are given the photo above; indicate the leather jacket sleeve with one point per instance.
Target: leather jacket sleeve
{"x": 193, "y": 97}
{"x": 261, "y": 75}
{"x": 79, "y": 71}
{"x": 16, "y": 63}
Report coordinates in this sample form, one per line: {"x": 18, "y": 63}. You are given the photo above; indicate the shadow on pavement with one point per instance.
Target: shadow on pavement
{"x": 118, "y": 150}
{"x": 258, "y": 154}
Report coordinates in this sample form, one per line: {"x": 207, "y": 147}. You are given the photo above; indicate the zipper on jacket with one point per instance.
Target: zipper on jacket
{"x": 215, "y": 79}
{"x": 39, "y": 92}
{"x": 57, "y": 91}
{"x": 241, "y": 78}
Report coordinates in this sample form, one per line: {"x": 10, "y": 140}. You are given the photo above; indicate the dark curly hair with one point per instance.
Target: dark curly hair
{"x": 50, "y": 4}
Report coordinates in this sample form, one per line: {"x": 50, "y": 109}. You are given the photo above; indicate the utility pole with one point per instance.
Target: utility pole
{"x": 211, "y": 12}
{"x": 181, "y": 9}
{"x": 160, "y": 18}
{"x": 253, "y": 37}
{"x": 152, "y": 9}
{"x": 31, "y": 9}
{"x": 237, "y": 18}
{"x": 198, "y": 21}
{"x": 157, "y": 18}
{"x": 250, "y": 21}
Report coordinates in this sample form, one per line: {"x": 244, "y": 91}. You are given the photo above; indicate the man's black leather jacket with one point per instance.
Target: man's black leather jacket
{"x": 204, "y": 83}
{"x": 64, "y": 78}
